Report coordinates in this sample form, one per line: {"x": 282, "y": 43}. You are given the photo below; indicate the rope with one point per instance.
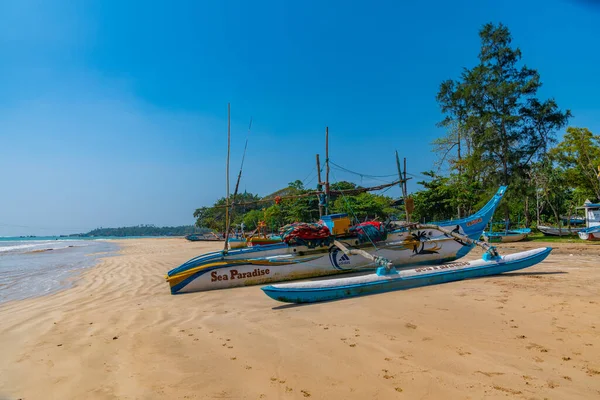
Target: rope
{"x": 355, "y": 217}
{"x": 359, "y": 174}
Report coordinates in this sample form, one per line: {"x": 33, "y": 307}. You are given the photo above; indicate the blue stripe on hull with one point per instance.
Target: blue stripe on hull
{"x": 305, "y": 295}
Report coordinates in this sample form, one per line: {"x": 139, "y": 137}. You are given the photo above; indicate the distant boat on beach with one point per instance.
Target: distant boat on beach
{"x": 592, "y": 233}
{"x": 202, "y": 237}
{"x": 513, "y": 235}
{"x": 592, "y": 214}
{"x": 555, "y": 231}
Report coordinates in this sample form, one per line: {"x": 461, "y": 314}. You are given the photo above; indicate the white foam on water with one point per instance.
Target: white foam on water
{"x": 27, "y": 270}
{"x": 11, "y": 247}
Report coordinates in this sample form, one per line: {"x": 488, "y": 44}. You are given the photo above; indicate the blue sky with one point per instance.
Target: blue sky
{"x": 114, "y": 113}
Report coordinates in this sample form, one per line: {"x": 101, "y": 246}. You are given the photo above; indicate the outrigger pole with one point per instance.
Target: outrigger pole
{"x": 385, "y": 266}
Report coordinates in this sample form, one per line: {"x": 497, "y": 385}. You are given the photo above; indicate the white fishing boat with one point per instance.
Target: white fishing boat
{"x": 592, "y": 233}
{"x": 592, "y": 219}
{"x": 403, "y": 246}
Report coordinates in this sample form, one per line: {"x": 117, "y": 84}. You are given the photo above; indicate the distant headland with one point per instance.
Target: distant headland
{"x": 141, "y": 230}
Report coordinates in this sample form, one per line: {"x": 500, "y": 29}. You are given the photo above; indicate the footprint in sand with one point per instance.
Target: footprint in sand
{"x": 305, "y": 393}
{"x": 248, "y": 367}
{"x": 398, "y": 389}
{"x": 536, "y": 346}
{"x": 592, "y": 372}
{"x": 506, "y": 390}
{"x": 552, "y": 384}
{"x": 410, "y": 326}
{"x": 489, "y": 374}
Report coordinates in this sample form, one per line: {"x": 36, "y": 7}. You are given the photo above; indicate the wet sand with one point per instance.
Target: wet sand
{"x": 120, "y": 334}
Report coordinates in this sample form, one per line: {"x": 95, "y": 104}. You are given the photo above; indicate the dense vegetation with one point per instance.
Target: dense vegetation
{"x": 498, "y": 132}
{"x": 361, "y": 206}
{"x": 143, "y": 230}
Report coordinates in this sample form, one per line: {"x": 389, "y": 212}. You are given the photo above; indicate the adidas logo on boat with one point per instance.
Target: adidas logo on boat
{"x": 344, "y": 259}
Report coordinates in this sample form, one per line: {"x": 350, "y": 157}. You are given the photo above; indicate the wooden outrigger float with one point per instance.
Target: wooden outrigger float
{"x": 386, "y": 280}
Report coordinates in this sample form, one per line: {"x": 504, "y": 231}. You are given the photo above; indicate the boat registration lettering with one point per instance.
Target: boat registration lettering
{"x": 235, "y": 274}
{"x": 441, "y": 267}
{"x": 475, "y": 221}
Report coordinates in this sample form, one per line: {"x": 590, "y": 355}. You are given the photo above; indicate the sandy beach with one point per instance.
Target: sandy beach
{"x": 120, "y": 334}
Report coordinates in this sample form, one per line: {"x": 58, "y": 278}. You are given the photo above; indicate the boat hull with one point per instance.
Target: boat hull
{"x": 334, "y": 289}
{"x": 505, "y": 238}
{"x": 277, "y": 263}
{"x": 590, "y": 234}
{"x": 553, "y": 231}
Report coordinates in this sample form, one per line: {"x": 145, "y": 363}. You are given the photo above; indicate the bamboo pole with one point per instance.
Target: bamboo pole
{"x": 406, "y": 191}
{"x": 227, "y": 168}
{"x": 320, "y": 183}
{"x": 327, "y": 169}
{"x": 401, "y": 183}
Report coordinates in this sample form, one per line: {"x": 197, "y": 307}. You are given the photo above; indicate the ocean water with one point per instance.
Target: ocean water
{"x": 37, "y": 266}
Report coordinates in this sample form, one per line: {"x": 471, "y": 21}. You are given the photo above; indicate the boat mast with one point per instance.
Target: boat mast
{"x": 319, "y": 186}
{"x": 402, "y": 182}
{"x": 326, "y": 170}
{"x": 227, "y": 198}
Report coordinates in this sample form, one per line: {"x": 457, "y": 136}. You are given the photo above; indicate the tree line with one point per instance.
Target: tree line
{"x": 498, "y": 131}
{"x": 143, "y": 230}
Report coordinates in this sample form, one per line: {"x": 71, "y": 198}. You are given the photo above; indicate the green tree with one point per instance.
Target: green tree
{"x": 214, "y": 217}
{"x": 364, "y": 205}
{"x": 493, "y": 111}
{"x": 579, "y": 154}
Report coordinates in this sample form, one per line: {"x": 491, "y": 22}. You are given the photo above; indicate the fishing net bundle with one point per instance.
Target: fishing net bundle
{"x": 370, "y": 231}
{"x": 303, "y": 233}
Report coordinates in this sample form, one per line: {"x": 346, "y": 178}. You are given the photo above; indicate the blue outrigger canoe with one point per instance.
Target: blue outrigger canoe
{"x": 390, "y": 280}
